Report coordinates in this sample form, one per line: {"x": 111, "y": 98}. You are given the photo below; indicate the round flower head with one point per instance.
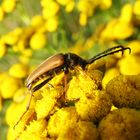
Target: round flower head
{"x": 120, "y": 124}
{"x": 124, "y": 91}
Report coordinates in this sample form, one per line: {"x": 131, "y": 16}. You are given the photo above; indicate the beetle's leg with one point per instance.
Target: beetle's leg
{"x": 41, "y": 84}
{"x": 50, "y": 85}
{"x": 27, "y": 108}
{"x": 31, "y": 94}
{"x": 81, "y": 70}
{"x": 65, "y": 82}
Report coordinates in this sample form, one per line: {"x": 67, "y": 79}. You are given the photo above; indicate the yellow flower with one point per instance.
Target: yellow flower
{"x": 8, "y": 86}
{"x": 37, "y": 21}
{"x": 1, "y": 14}
{"x": 77, "y": 48}
{"x": 38, "y": 40}
{"x": 12, "y": 37}
{"x": 11, "y": 135}
{"x": 89, "y": 43}
{"x": 25, "y": 56}
{"x": 23, "y": 41}
{"x": 75, "y": 90}
{"x": 94, "y": 106}
{"x": 45, "y": 106}
{"x": 110, "y": 74}
{"x": 19, "y": 95}
{"x": 122, "y": 30}
{"x": 117, "y": 30}
{"x": 63, "y": 2}
{"x": 65, "y": 125}
{"x": 83, "y": 19}
{"x": 44, "y": 3}
{"x": 119, "y": 124}
{"x": 135, "y": 46}
{"x": 27, "y": 52}
{"x": 105, "y": 4}
{"x": 3, "y": 75}
{"x": 8, "y": 5}
{"x": 61, "y": 119}
{"x": 35, "y": 131}
{"x": 124, "y": 91}
{"x": 126, "y": 13}
{"x": 24, "y": 59}
{"x": 130, "y": 65}
{"x": 48, "y": 103}
{"x": 86, "y": 6}
{"x": 50, "y": 10}
{"x": 18, "y": 70}
{"x": 17, "y": 109}
{"x": 52, "y": 24}
{"x": 136, "y": 8}
{"x": 107, "y": 34}
{"x": 17, "y": 31}
{"x": 70, "y": 6}
{"x": 21, "y": 45}
{"x": 80, "y": 130}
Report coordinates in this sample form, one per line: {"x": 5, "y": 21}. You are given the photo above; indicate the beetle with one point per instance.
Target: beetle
{"x": 62, "y": 63}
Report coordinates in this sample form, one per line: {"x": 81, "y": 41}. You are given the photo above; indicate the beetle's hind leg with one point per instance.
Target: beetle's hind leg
{"x": 31, "y": 94}
{"x": 27, "y": 108}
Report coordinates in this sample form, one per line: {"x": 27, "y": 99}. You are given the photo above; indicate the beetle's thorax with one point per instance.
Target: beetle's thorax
{"x": 73, "y": 60}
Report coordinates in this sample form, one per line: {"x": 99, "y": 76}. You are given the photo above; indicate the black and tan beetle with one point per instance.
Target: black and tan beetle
{"x": 62, "y": 63}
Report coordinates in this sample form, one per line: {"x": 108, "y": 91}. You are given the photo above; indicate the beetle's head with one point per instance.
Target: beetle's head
{"x": 73, "y": 60}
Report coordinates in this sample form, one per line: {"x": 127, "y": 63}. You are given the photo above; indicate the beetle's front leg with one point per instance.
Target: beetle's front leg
{"x": 41, "y": 84}
{"x": 65, "y": 82}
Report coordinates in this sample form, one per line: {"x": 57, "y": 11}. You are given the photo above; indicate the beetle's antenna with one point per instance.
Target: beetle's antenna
{"x": 27, "y": 108}
{"x": 107, "y": 52}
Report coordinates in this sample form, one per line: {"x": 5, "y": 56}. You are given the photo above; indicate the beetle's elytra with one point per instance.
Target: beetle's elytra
{"x": 62, "y": 63}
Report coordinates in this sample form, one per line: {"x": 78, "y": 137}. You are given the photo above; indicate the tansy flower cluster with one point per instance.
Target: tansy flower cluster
{"x": 116, "y": 66}
{"x": 124, "y": 26}
{"x": 56, "y": 113}
{"x": 34, "y": 36}
{"x": 87, "y": 8}
{"x": 23, "y": 40}
{"x": 12, "y": 83}
{"x": 101, "y": 102}
{"x": 119, "y": 124}
{"x": 7, "y": 6}
{"x": 84, "y": 110}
